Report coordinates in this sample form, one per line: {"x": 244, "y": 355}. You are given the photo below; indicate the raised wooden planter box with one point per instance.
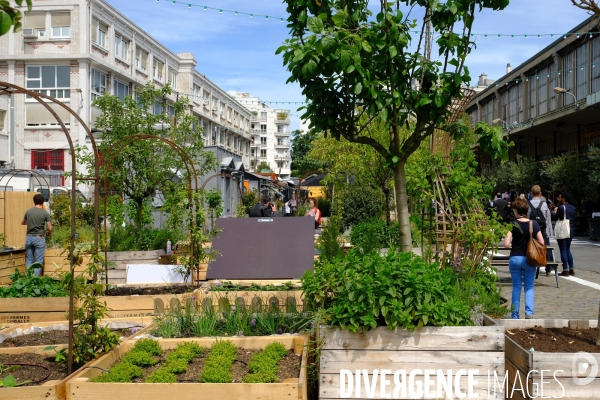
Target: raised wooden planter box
{"x": 524, "y": 367}
{"x": 59, "y": 257}
{"x": 44, "y": 309}
{"x": 80, "y": 387}
{"x": 285, "y": 301}
{"x": 9, "y": 260}
{"x": 436, "y": 349}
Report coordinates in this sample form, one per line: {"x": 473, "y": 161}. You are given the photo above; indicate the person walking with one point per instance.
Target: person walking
{"x": 521, "y": 272}
{"x": 39, "y": 226}
{"x": 565, "y": 210}
{"x": 539, "y": 212}
{"x": 293, "y": 204}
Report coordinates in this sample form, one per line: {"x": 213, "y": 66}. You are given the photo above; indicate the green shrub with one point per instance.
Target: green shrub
{"x": 149, "y": 346}
{"x": 375, "y": 234}
{"x": 139, "y": 358}
{"x": 399, "y": 290}
{"x": 186, "y": 351}
{"x": 176, "y": 365}
{"x": 120, "y": 372}
{"x": 218, "y": 363}
{"x": 263, "y": 365}
{"x": 128, "y": 239}
{"x": 161, "y": 376}
{"x": 29, "y": 285}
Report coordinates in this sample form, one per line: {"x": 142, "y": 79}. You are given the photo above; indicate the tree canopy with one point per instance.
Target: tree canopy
{"x": 355, "y": 68}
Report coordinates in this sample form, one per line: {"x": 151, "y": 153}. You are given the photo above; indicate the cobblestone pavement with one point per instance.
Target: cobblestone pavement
{"x": 576, "y": 298}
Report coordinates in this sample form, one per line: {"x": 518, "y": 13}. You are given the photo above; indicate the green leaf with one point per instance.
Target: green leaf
{"x": 358, "y": 88}
{"x": 9, "y": 381}
{"x": 311, "y": 67}
{"x": 329, "y": 44}
{"x": 393, "y": 51}
{"x": 350, "y": 69}
{"x": 315, "y": 25}
{"x": 338, "y": 19}
{"x": 48, "y": 348}
{"x": 5, "y": 22}
{"x": 366, "y": 46}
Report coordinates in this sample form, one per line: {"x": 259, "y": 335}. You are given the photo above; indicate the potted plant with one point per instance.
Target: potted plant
{"x": 402, "y": 316}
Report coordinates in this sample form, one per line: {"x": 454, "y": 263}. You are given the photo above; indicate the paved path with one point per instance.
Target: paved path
{"x": 576, "y": 298}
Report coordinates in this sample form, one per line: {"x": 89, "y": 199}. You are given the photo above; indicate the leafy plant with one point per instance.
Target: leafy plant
{"x": 11, "y": 16}
{"x": 217, "y": 367}
{"x": 9, "y": 380}
{"x": 29, "y": 285}
{"x": 399, "y": 290}
{"x": 149, "y": 346}
{"x": 375, "y": 234}
{"x": 227, "y": 286}
{"x": 139, "y": 358}
{"x": 121, "y": 372}
{"x": 161, "y": 375}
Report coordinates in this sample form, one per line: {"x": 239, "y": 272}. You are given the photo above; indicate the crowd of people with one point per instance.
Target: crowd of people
{"x": 532, "y": 215}
{"x": 267, "y": 208}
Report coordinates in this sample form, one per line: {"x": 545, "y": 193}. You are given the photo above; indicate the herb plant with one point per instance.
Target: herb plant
{"x": 399, "y": 290}
{"x": 263, "y": 365}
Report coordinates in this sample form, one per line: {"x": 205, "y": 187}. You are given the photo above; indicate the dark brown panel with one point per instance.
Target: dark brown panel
{"x": 254, "y": 248}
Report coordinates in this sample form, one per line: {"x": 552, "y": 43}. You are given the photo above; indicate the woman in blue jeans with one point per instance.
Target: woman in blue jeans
{"x": 521, "y": 272}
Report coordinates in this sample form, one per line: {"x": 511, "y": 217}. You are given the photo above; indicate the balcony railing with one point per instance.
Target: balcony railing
{"x": 285, "y": 132}
{"x": 284, "y": 121}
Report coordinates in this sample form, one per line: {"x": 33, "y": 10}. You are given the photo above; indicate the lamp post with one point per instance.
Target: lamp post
{"x": 559, "y": 90}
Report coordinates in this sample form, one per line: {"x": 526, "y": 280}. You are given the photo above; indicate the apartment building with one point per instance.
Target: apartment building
{"x": 75, "y": 51}
{"x": 270, "y": 130}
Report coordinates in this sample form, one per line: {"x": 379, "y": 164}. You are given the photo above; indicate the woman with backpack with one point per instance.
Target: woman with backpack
{"x": 521, "y": 272}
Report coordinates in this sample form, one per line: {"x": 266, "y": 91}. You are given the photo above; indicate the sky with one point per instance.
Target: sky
{"x": 237, "y": 52}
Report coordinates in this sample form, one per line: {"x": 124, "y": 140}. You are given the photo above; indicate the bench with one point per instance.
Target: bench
{"x": 501, "y": 260}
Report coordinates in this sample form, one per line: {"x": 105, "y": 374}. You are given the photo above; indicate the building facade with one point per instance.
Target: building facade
{"x": 549, "y": 104}
{"x": 270, "y": 130}
{"x": 75, "y": 51}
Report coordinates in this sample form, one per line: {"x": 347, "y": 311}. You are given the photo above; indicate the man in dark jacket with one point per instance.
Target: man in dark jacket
{"x": 262, "y": 209}
{"x": 565, "y": 210}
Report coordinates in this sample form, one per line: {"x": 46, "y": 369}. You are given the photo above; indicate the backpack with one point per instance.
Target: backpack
{"x": 536, "y": 214}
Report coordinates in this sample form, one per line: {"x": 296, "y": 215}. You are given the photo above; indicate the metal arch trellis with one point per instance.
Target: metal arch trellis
{"x": 11, "y": 89}
{"x": 15, "y": 171}
{"x": 119, "y": 146}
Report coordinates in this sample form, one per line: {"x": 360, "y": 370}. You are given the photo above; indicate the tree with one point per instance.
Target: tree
{"x": 263, "y": 166}
{"x": 354, "y": 69}
{"x": 302, "y": 143}
{"x": 146, "y": 166}
{"x": 591, "y": 6}
{"x": 10, "y": 16}
{"x": 362, "y": 162}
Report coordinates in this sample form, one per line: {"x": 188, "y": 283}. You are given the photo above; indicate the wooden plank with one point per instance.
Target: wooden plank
{"x": 133, "y": 256}
{"x": 518, "y": 355}
{"x": 183, "y": 391}
{"x": 512, "y": 387}
{"x": 142, "y": 321}
{"x": 332, "y": 361}
{"x": 450, "y": 338}
{"x": 561, "y": 363}
{"x": 30, "y": 393}
{"x": 510, "y": 324}
{"x": 22, "y": 318}
{"x": 567, "y": 389}
{"x": 34, "y": 304}
{"x": 32, "y": 349}
{"x": 15, "y": 206}
{"x": 329, "y": 387}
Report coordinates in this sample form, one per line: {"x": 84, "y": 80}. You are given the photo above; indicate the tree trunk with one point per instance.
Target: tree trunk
{"x": 402, "y": 213}
{"x": 386, "y": 193}
{"x": 138, "y": 214}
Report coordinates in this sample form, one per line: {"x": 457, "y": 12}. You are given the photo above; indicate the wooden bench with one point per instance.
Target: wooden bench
{"x": 501, "y": 260}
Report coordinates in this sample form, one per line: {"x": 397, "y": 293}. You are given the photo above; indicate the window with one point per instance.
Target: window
{"x": 2, "y": 116}
{"x": 98, "y": 84}
{"x": 120, "y": 89}
{"x": 61, "y": 24}
{"x": 280, "y": 164}
{"x": 263, "y": 128}
{"x": 121, "y": 48}
{"x": 263, "y": 140}
{"x": 53, "y": 160}
{"x": 51, "y": 80}
{"x": 170, "y": 110}
{"x": 157, "y": 108}
{"x": 252, "y": 152}
{"x": 280, "y": 142}
{"x": 282, "y": 128}
{"x": 263, "y": 116}
{"x": 141, "y": 59}
{"x": 221, "y": 137}
{"x": 235, "y": 143}
{"x": 172, "y": 77}
{"x": 263, "y": 153}
{"x": 157, "y": 69}
{"x": 99, "y": 32}
{"x": 36, "y": 21}
{"x": 228, "y": 140}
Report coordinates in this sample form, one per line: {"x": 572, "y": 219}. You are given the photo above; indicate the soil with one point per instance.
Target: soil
{"x": 289, "y": 367}
{"x": 34, "y": 373}
{"x": 139, "y": 290}
{"x": 46, "y": 338}
{"x": 556, "y": 340}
